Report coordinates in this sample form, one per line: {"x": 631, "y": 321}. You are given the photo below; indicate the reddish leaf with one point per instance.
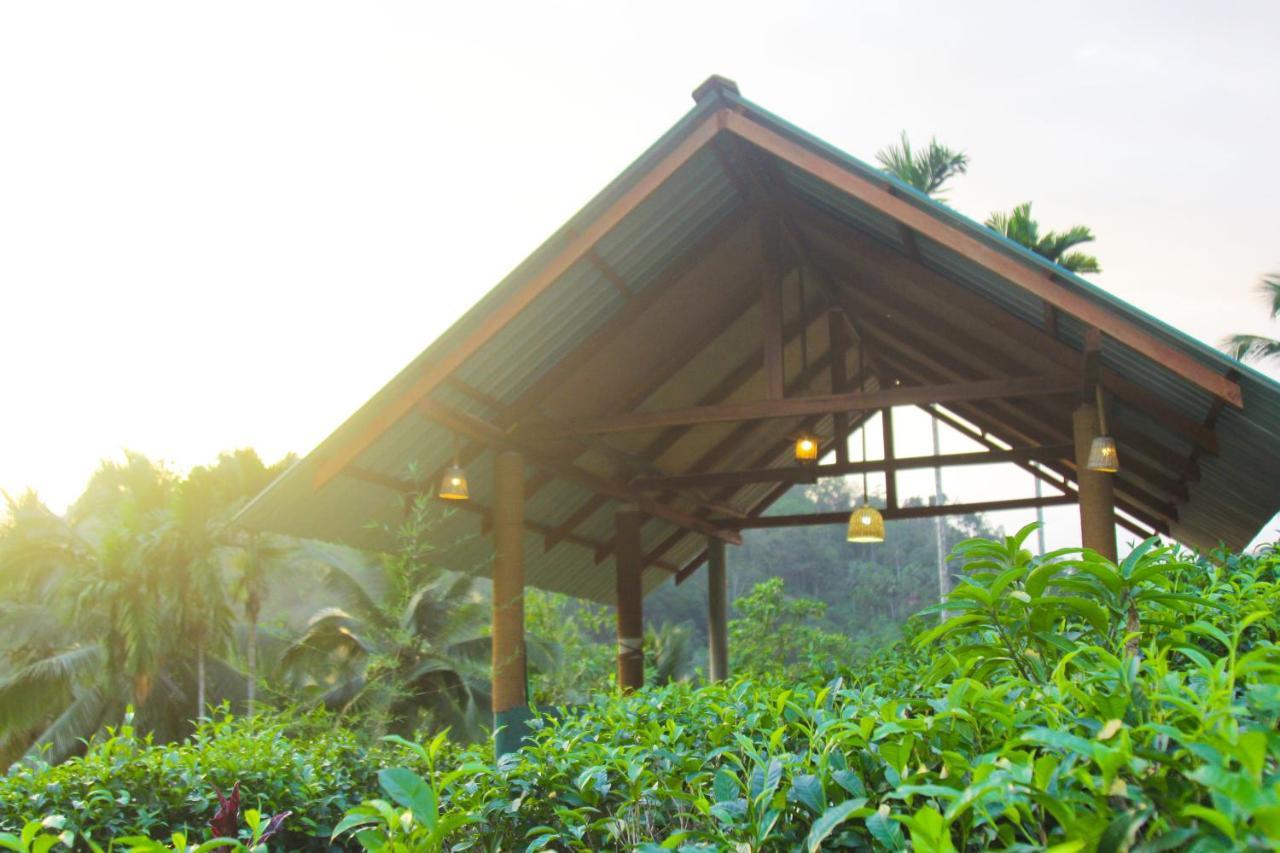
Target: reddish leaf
{"x": 274, "y": 824}
{"x": 226, "y": 820}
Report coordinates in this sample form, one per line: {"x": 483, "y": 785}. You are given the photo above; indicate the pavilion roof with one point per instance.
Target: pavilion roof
{"x": 652, "y": 299}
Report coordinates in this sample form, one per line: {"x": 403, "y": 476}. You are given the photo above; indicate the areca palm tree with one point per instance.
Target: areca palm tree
{"x": 1258, "y": 347}
{"x": 927, "y": 170}
{"x": 108, "y": 608}
{"x": 1020, "y": 227}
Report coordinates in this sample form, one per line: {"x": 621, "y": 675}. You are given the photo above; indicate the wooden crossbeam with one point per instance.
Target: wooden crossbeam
{"x": 489, "y": 435}
{"x": 412, "y": 489}
{"x": 896, "y": 513}
{"x": 1025, "y": 386}
{"x": 922, "y": 290}
{"x": 812, "y": 473}
{"x": 1030, "y": 278}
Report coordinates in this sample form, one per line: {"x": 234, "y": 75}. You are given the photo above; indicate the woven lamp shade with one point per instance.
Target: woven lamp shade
{"x": 866, "y": 524}
{"x": 453, "y": 485}
{"x": 1103, "y": 455}
{"x": 806, "y": 449}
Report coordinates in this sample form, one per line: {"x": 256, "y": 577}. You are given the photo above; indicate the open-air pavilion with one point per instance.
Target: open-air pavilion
{"x": 630, "y": 398}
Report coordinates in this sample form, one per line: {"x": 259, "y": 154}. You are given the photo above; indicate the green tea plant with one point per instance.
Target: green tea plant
{"x": 1066, "y": 703}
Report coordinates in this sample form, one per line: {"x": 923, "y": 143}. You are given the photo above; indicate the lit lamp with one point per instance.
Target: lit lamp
{"x": 1103, "y": 456}
{"x": 806, "y": 448}
{"x": 453, "y": 485}
{"x": 866, "y": 524}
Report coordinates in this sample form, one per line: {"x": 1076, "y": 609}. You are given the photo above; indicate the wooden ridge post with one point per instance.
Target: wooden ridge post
{"x": 630, "y": 597}
{"x": 717, "y": 612}
{"x": 510, "y": 681}
{"x": 1097, "y": 499}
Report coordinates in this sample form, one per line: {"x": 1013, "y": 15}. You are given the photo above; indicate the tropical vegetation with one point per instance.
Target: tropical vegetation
{"x": 931, "y": 168}
{"x": 1065, "y": 703}
{"x": 1258, "y": 347}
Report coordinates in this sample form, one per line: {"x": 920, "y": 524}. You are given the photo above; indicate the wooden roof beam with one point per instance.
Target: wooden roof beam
{"x": 496, "y": 439}
{"x": 1026, "y": 386}
{"x": 573, "y": 251}
{"x": 799, "y": 474}
{"x": 1029, "y": 277}
{"x": 928, "y": 291}
{"x": 897, "y": 513}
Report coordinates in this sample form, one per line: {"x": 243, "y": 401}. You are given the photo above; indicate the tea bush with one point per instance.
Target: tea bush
{"x": 126, "y": 786}
{"x": 1066, "y": 703}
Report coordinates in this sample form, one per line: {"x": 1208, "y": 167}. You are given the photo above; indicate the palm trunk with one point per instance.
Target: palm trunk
{"x": 199, "y": 679}
{"x": 252, "y": 655}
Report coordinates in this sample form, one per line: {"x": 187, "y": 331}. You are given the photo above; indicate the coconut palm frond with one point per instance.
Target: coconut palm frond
{"x": 1251, "y": 347}
{"x": 1269, "y": 287}
{"x": 88, "y": 713}
{"x": 340, "y": 578}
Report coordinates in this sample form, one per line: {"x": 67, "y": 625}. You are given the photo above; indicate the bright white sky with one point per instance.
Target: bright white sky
{"x": 228, "y": 224}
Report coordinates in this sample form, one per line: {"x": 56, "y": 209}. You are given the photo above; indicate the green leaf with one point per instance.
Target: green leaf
{"x": 885, "y": 830}
{"x": 807, "y": 790}
{"x": 831, "y": 818}
{"x": 409, "y": 790}
{"x": 725, "y": 786}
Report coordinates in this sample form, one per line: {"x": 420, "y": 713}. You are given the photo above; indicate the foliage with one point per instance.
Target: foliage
{"x": 409, "y": 644}
{"x": 127, "y": 786}
{"x": 775, "y": 634}
{"x": 1020, "y": 227}
{"x": 1258, "y": 347}
{"x": 119, "y": 603}
{"x": 928, "y": 170}
{"x": 1028, "y": 720}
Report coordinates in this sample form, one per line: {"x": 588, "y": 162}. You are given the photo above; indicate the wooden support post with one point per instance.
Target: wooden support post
{"x": 839, "y": 380}
{"x": 771, "y": 315}
{"x": 630, "y": 598}
{"x": 890, "y": 470}
{"x": 1097, "y": 500}
{"x": 717, "y": 612}
{"x": 510, "y": 682}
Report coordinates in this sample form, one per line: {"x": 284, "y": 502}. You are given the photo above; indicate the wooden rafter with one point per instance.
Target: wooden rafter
{"x": 1026, "y": 386}
{"x": 897, "y": 513}
{"x": 574, "y": 250}
{"x": 923, "y": 290}
{"x": 798, "y": 474}
{"x": 1034, "y": 280}
{"x": 495, "y": 438}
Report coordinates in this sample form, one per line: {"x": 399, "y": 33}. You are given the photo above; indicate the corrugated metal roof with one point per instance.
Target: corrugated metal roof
{"x": 1238, "y": 490}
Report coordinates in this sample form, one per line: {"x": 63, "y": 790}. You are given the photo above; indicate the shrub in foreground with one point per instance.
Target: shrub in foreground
{"x": 1066, "y": 703}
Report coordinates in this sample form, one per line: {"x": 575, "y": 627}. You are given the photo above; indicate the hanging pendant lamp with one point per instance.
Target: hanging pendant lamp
{"x": 866, "y": 524}
{"x": 806, "y": 448}
{"x": 1103, "y": 456}
{"x": 453, "y": 484}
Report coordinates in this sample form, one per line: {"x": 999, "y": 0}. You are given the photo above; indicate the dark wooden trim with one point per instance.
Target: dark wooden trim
{"x": 489, "y": 435}
{"x": 1023, "y": 386}
{"x": 897, "y": 513}
{"x": 798, "y": 474}
{"x": 1030, "y": 278}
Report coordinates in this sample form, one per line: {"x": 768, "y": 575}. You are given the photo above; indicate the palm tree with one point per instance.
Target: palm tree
{"x": 1258, "y": 347}
{"x": 105, "y": 608}
{"x": 1021, "y": 228}
{"x": 927, "y": 170}
{"x": 401, "y": 647}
